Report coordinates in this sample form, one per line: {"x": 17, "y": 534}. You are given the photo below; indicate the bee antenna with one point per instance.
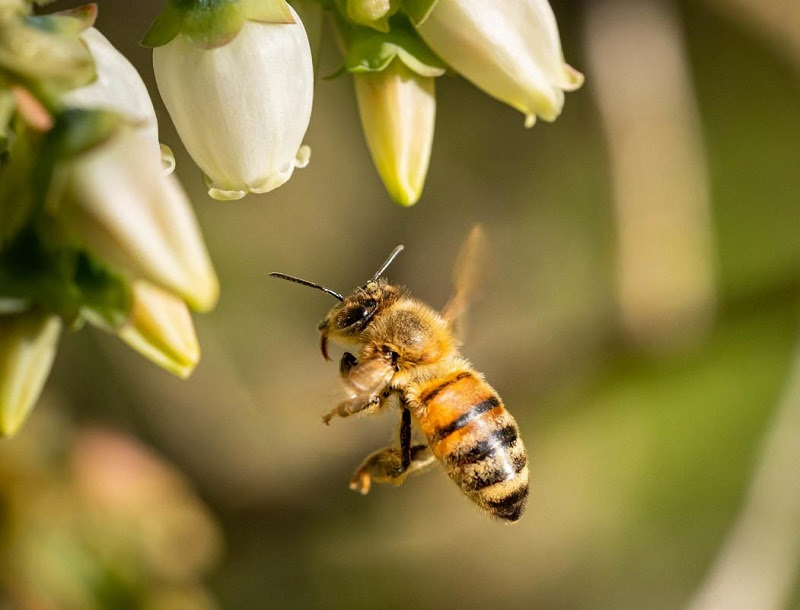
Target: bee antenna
{"x": 297, "y": 280}
{"x": 388, "y": 262}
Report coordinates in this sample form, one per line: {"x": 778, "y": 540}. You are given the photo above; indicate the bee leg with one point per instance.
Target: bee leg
{"x": 346, "y": 364}
{"x": 352, "y": 406}
{"x": 386, "y": 466}
{"x": 392, "y": 465}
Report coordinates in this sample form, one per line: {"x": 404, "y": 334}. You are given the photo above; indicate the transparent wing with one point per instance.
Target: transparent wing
{"x": 368, "y": 379}
{"x": 465, "y": 278}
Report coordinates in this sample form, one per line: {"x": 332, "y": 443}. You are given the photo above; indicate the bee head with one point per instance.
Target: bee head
{"x": 347, "y": 321}
{"x": 350, "y": 318}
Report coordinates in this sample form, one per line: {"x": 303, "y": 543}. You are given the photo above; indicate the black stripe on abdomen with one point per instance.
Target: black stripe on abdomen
{"x": 431, "y": 394}
{"x": 502, "y": 439}
{"x": 496, "y": 469}
{"x": 511, "y": 506}
{"x": 475, "y": 411}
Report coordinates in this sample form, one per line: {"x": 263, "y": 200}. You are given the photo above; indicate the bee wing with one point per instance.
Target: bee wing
{"x": 369, "y": 378}
{"x": 465, "y": 278}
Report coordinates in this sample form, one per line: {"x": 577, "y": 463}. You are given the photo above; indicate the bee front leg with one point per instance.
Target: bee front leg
{"x": 354, "y": 405}
{"x": 366, "y": 384}
{"x": 346, "y": 364}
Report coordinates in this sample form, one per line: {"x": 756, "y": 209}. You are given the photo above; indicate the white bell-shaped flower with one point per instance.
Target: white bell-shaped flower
{"x": 118, "y": 88}
{"x": 241, "y": 109}
{"x": 510, "y": 49}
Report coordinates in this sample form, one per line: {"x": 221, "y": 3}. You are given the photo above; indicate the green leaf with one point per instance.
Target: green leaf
{"x": 418, "y": 10}
{"x": 103, "y": 293}
{"x": 63, "y": 280}
{"x": 372, "y": 51}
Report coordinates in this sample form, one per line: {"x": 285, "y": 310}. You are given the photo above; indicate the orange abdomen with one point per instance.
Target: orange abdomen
{"x": 477, "y": 440}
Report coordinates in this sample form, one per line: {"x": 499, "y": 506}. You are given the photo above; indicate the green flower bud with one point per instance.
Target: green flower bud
{"x": 28, "y": 344}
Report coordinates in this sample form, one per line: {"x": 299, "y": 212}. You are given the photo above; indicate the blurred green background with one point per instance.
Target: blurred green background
{"x": 644, "y": 385}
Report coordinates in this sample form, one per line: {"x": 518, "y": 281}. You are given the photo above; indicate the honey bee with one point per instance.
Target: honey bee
{"x": 406, "y": 353}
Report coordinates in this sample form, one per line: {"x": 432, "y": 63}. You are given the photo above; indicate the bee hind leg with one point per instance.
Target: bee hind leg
{"x": 385, "y": 466}
{"x": 393, "y": 465}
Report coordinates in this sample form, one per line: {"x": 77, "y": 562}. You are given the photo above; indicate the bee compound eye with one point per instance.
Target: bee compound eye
{"x": 351, "y": 316}
{"x": 357, "y": 313}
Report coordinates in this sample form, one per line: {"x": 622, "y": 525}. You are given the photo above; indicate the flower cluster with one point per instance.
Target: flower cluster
{"x": 93, "y": 226}
{"x": 93, "y": 229}
{"x": 243, "y": 71}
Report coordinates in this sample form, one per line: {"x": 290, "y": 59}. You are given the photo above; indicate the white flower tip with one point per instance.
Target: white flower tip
{"x": 530, "y": 120}
{"x": 302, "y": 157}
{"x": 167, "y": 160}
{"x": 221, "y": 194}
{"x": 204, "y": 292}
{"x": 269, "y": 183}
{"x": 160, "y": 328}
{"x": 572, "y": 78}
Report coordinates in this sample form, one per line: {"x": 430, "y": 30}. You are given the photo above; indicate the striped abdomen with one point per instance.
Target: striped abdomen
{"x": 477, "y": 440}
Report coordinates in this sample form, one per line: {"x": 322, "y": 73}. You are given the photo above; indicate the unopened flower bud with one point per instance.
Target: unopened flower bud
{"x": 398, "y": 112}
{"x": 28, "y": 344}
{"x": 372, "y": 13}
{"x": 241, "y": 109}
{"x": 511, "y": 50}
{"x": 160, "y": 328}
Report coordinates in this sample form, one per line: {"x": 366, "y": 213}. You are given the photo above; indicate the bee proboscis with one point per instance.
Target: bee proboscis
{"x": 407, "y": 353}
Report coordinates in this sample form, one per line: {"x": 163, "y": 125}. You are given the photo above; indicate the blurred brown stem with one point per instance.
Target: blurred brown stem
{"x": 756, "y": 566}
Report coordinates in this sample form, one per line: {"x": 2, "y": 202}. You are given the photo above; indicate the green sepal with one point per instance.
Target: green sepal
{"x": 31, "y": 180}
{"x": 371, "y": 51}
{"x": 18, "y": 191}
{"x": 212, "y": 23}
{"x": 70, "y": 22}
{"x": 65, "y": 281}
{"x": 45, "y": 52}
{"x": 77, "y": 130}
{"x": 11, "y": 9}
{"x": 361, "y": 17}
{"x": 212, "y": 27}
{"x": 85, "y": 14}
{"x": 7, "y": 106}
{"x": 266, "y": 11}
{"x": 418, "y": 10}
{"x": 166, "y": 27}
